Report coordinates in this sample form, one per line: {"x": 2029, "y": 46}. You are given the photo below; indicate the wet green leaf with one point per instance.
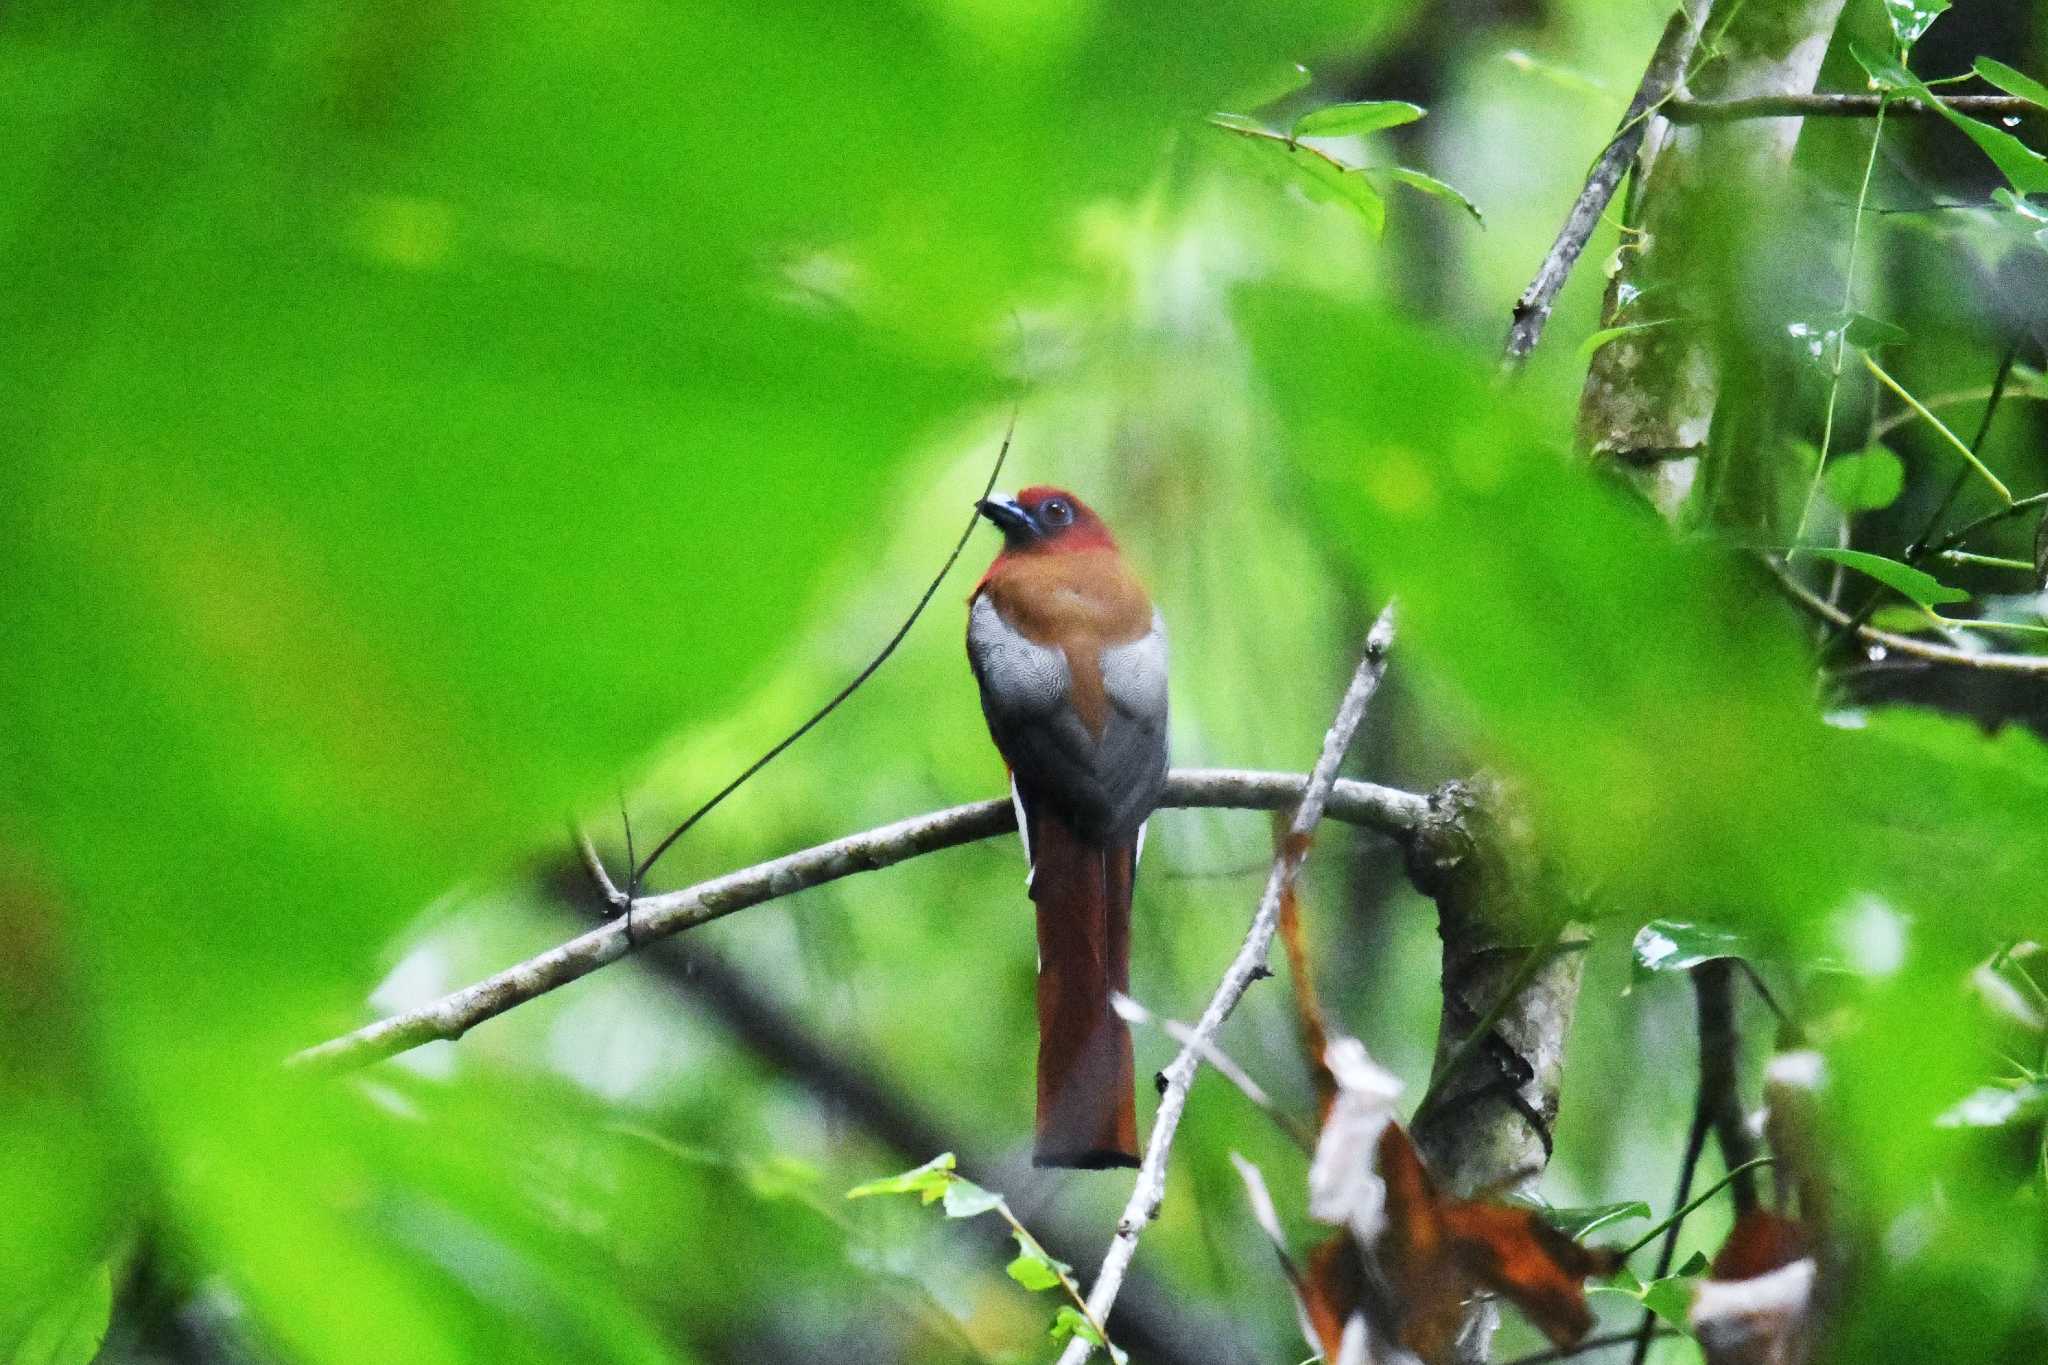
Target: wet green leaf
{"x": 1678, "y": 946}
{"x": 1911, "y": 18}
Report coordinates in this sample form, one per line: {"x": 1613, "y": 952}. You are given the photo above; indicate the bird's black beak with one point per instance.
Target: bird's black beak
{"x": 1007, "y": 514}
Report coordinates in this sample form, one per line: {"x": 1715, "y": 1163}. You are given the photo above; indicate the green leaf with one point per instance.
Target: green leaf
{"x": 2023, "y": 167}
{"x": 1579, "y": 1222}
{"x": 1069, "y": 1322}
{"x": 1033, "y": 1268}
{"x": 965, "y": 1199}
{"x": 1268, "y": 86}
{"x": 1867, "y": 332}
{"x": 1430, "y": 185}
{"x": 2013, "y": 82}
{"x": 69, "y": 1330}
{"x": 928, "y": 1182}
{"x": 1242, "y": 123}
{"x": 1365, "y": 116}
{"x": 1918, "y": 584}
{"x": 1558, "y": 75}
{"x": 1695, "y": 1264}
{"x": 1911, "y": 18}
{"x": 1667, "y": 945}
{"x": 1315, "y": 173}
{"x": 1669, "y": 1298}
{"x": 1607, "y": 334}
{"x": 1884, "y": 70}
{"x": 1900, "y": 618}
{"x": 1865, "y": 480}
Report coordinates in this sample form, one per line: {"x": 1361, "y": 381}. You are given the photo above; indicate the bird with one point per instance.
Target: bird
{"x": 1070, "y": 657}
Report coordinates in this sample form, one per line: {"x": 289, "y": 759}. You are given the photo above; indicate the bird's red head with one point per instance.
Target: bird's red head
{"x": 1041, "y": 519}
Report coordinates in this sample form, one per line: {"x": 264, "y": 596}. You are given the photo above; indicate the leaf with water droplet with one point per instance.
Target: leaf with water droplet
{"x": 2025, "y": 169}
{"x": 1669, "y": 945}
{"x": 1911, "y": 18}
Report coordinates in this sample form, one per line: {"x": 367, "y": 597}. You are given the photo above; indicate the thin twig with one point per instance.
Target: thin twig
{"x": 640, "y": 870}
{"x": 1716, "y": 1110}
{"x": 1025, "y": 1241}
{"x": 1702, "y": 1197}
{"x": 1358, "y": 803}
{"x": 1695, "y": 1143}
{"x": 1955, "y": 442}
{"x": 2012, "y": 509}
{"x": 1660, "y": 81}
{"x": 1226, "y": 1067}
{"x": 1246, "y": 967}
{"x": 1826, "y": 104}
{"x": 1598, "y": 1343}
{"x": 1917, "y": 549}
{"x": 2028, "y": 664}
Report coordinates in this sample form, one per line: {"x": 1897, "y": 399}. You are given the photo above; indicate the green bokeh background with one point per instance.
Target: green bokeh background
{"x": 424, "y": 426}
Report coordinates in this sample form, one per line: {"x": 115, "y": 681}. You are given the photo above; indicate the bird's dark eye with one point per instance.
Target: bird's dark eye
{"x": 1056, "y": 512}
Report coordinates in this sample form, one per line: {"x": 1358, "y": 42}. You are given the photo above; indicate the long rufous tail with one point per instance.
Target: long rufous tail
{"x": 1087, "y": 1111}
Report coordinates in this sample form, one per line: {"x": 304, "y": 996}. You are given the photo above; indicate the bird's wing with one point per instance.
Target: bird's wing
{"x": 1103, "y": 788}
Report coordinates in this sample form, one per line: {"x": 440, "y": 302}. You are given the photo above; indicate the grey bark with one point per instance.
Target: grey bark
{"x": 1486, "y": 1121}
{"x": 1650, "y": 395}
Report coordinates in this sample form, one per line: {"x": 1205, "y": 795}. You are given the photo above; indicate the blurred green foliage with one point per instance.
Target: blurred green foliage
{"x": 424, "y": 423}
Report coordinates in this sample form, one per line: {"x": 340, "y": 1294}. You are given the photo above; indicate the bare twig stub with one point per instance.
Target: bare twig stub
{"x": 1660, "y": 81}
{"x": 1245, "y": 968}
{"x": 656, "y": 917}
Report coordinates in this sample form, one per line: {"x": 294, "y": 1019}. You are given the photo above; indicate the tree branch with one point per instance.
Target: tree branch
{"x": 1835, "y": 105}
{"x": 1246, "y": 967}
{"x": 1660, "y": 81}
{"x": 2035, "y": 665}
{"x": 655, "y": 917}
{"x": 1509, "y": 988}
